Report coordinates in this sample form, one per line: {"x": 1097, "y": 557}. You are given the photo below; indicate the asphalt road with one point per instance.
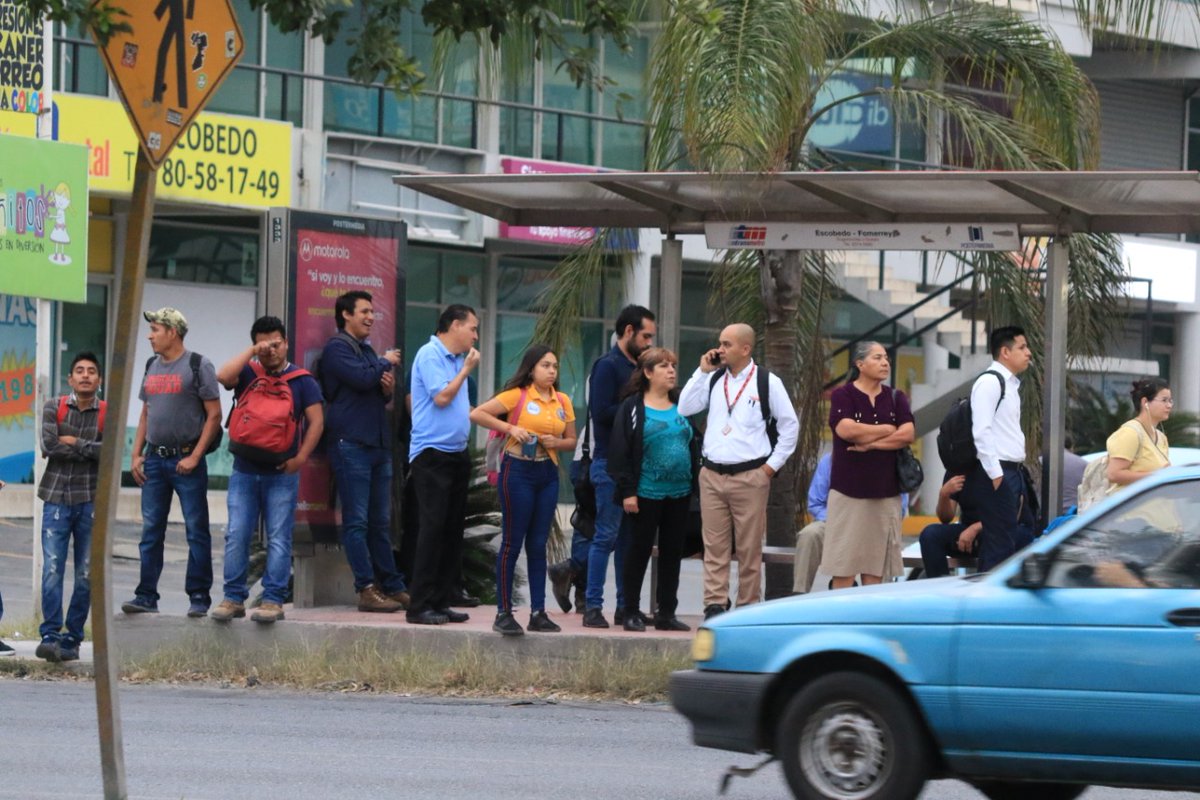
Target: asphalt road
{"x": 184, "y": 743}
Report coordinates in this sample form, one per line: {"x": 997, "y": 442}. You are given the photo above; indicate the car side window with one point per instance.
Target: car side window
{"x": 1151, "y": 541}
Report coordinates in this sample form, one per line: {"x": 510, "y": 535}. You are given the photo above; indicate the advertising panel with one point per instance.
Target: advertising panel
{"x": 43, "y": 219}
{"x": 548, "y": 234}
{"x": 329, "y": 255}
{"x": 18, "y": 423}
{"x": 221, "y": 159}
{"x": 22, "y": 44}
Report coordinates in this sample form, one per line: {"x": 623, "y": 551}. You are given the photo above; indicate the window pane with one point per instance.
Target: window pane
{"x": 462, "y": 279}
{"x": 203, "y": 256}
{"x": 422, "y": 278}
{"x": 513, "y": 334}
{"x": 419, "y": 324}
{"x": 238, "y": 94}
{"x": 567, "y": 138}
{"x": 1151, "y": 541}
{"x": 84, "y": 328}
{"x": 519, "y": 283}
{"x": 624, "y": 142}
{"x": 79, "y": 67}
{"x": 516, "y": 127}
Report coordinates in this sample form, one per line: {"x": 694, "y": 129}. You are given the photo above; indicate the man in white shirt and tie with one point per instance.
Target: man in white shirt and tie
{"x": 995, "y": 489}
{"x": 739, "y": 462}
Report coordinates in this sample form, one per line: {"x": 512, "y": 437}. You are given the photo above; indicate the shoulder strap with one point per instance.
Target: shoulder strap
{"x": 764, "y": 392}
{"x": 355, "y": 344}
{"x": 299, "y": 373}
{"x": 587, "y": 417}
{"x": 103, "y": 415}
{"x": 520, "y": 405}
{"x": 716, "y": 376}
{"x": 1003, "y": 386}
{"x": 62, "y": 409}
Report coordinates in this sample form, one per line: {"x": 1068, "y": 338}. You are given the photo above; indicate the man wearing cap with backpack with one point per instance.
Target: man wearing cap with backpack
{"x": 72, "y": 427}
{"x": 180, "y": 423}
{"x": 275, "y": 425}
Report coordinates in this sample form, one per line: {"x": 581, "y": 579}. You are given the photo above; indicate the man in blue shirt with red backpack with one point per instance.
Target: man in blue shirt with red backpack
{"x": 274, "y": 427}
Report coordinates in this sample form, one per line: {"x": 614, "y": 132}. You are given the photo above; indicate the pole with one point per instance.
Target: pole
{"x": 1054, "y": 378}
{"x": 670, "y": 292}
{"x": 120, "y": 374}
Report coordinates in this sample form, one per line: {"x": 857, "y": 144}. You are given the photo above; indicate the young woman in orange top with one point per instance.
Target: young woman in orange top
{"x": 539, "y": 422}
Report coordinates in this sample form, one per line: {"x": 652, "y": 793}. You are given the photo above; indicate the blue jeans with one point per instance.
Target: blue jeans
{"x": 364, "y": 485}
{"x": 273, "y": 497}
{"x": 612, "y": 537}
{"x": 59, "y": 525}
{"x": 161, "y": 481}
{"x": 528, "y": 499}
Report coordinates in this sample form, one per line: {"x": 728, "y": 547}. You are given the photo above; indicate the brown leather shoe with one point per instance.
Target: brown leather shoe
{"x": 267, "y": 613}
{"x": 371, "y": 599}
{"x": 403, "y": 598}
{"x": 228, "y": 610}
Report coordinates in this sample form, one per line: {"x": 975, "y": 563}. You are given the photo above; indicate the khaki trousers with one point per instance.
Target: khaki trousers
{"x": 810, "y": 541}
{"x": 729, "y": 504}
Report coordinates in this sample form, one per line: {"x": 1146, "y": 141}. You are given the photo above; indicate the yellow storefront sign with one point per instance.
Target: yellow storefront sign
{"x": 14, "y": 124}
{"x": 220, "y": 159}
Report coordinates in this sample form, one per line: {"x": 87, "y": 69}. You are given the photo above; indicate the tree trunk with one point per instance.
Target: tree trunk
{"x": 782, "y": 277}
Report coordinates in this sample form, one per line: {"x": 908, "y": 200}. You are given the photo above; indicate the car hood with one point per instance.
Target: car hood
{"x": 931, "y": 601}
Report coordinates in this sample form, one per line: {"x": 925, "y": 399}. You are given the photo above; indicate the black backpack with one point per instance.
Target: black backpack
{"x": 764, "y": 399}
{"x": 955, "y": 440}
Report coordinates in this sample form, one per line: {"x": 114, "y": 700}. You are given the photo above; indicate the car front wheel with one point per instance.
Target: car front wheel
{"x": 849, "y": 736}
{"x": 1028, "y": 790}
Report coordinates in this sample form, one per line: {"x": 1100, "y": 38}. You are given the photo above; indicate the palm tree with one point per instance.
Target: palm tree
{"x": 739, "y": 86}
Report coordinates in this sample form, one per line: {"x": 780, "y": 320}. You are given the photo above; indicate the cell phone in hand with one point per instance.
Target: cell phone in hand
{"x": 714, "y": 358}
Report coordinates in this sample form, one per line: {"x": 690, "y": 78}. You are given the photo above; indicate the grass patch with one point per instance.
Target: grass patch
{"x": 20, "y": 629}
{"x": 472, "y": 670}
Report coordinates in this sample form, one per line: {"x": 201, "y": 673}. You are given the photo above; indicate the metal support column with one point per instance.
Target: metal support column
{"x": 670, "y": 292}
{"x": 1054, "y": 379}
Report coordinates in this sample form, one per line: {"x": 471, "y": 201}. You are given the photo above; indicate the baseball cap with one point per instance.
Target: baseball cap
{"x": 171, "y": 317}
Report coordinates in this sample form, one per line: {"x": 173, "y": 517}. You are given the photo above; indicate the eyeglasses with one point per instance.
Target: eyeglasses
{"x": 1170, "y": 401}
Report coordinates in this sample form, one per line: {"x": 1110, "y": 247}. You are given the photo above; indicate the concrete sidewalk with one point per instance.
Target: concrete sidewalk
{"x": 138, "y": 637}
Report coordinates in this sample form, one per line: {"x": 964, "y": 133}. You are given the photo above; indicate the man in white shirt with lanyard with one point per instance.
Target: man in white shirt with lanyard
{"x": 995, "y": 490}
{"x": 739, "y": 462}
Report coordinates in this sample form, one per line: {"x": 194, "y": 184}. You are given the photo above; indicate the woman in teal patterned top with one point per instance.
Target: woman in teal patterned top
{"x": 653, "y": 458}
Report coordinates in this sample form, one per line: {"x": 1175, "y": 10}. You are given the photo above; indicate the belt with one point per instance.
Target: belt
{"x": 734, "y": 469}
{"x": 162, "y": 451}
{"x": 1011, "y": 464}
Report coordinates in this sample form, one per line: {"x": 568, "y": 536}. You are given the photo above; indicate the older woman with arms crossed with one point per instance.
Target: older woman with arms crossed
{"x": 870, "y": 422}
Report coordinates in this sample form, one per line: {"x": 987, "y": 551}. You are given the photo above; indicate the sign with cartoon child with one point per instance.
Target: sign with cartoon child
{"x": 43, "y": 219}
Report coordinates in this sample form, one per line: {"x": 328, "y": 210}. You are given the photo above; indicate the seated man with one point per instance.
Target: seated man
{"x": 960, "y": 539}
{"x": 949, "y": 538}
{"x": 810, "y": 540}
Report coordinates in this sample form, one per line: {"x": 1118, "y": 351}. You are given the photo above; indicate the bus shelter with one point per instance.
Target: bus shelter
{"x": 942, "y": 211}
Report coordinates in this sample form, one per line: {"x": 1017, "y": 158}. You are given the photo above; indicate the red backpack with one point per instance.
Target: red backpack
{"x": 62, "y": 412}
{"x": 263, "y": 425}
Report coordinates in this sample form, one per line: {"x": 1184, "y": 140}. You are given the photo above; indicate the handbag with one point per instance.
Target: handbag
{"x": 583, "y": 518}
{"x": 909, "y": 473}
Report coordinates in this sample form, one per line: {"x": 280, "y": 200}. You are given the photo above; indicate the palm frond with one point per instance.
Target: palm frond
{"x": 573, "y": 286}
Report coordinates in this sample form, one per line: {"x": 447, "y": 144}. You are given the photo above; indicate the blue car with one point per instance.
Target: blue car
{"x": 1075, "y": 662}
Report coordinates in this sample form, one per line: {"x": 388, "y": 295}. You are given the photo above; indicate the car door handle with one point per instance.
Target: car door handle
{"x": 1185, "y": 617}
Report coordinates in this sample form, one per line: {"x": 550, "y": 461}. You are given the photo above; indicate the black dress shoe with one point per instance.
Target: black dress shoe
{"x": 633, "y": 621}
{"x": 671, "y": 623}
{"x": 713, "y": 610}
{"x": 461, "y": 599}
{"x": 594, "y": 618}
{"x": 453, "y": 616}
{"x": 619, "y": 617}
{"x": 426, "y": 617}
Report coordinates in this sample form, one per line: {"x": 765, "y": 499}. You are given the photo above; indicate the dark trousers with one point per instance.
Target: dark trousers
{"x": 440, "y": 483}
{"x": 938, "y": 543}
{"x": 998, "y": 508}
{"x": 667, "y": 519}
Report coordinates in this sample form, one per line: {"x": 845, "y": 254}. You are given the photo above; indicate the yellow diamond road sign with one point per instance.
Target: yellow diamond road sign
{"x": 171, "y": 64}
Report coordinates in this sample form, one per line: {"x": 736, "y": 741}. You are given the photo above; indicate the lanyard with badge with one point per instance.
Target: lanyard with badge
{"x": 729, "y": 405}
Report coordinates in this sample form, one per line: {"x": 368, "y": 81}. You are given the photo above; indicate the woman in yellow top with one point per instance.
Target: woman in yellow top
{"x": 539, "y": 421}
{"x": 1138, "y": 447}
